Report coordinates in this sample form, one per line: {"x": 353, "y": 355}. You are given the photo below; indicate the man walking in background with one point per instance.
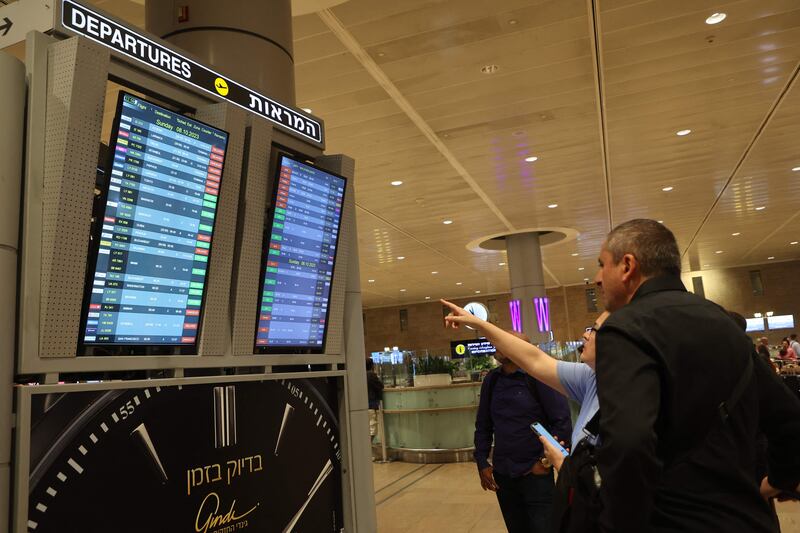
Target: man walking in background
{"x": 510, "y": 401}
{"x": 374, "y": 392}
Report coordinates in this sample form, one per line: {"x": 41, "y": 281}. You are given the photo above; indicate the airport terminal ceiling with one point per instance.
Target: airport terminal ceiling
{"x": 454, "y": 98}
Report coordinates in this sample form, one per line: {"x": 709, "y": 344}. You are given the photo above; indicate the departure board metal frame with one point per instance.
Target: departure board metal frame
{"x": 278, "y": 155}
{"x": 99, "y": 209}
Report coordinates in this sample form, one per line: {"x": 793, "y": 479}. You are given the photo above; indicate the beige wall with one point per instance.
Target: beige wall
{"x": 730, "y": 288}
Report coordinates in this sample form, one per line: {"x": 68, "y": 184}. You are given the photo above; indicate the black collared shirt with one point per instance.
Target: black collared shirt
{"x": 665, "y": 362}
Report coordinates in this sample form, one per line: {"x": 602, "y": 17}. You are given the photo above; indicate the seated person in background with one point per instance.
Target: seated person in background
{"x": 763, "y": 348}
{"x": 510, "y": 401}
{"x": 787, "y": 353}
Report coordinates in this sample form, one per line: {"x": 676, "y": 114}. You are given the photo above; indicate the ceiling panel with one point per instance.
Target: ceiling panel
{"x": 412, "y": 104}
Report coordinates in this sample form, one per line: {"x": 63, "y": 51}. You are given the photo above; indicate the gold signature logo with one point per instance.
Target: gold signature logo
{"x": 209, "y": 510}
{"x": 221, "y": 86}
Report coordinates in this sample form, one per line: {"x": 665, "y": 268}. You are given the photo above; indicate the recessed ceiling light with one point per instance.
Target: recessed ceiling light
{"x": 706, "y": 266}
{"x": 489, "y": 69}
{"x": 667, "y": 189}
{"x": 552, "y": 206}
{"x": 434, "y": 272}
{"x": 306, "y": 109}
{"x": 681, "y": 133}
{"x": 397, "y": 183}
{"x": 660, "y": 221}
{"x": 575, "y": 254}
{"x": 400, "y": 257}
{"x": 718, "y": 252}
{"x": 447, "y": 222}
{"x": 581, "y": 268}
{"x": 793, "y": 242}
{"x": 501, "y": 264}
{"x": 736, "y": 234}
{"x": 716, "y": 18}
{"x": 796, "y": 169}
{"x": 531, "y": 159}
{"x": 371, "y": 281}
{"x": 477, "y": 292}
{"x": 512, "y": 21}
{"x": 459, "y": 283}
{"x": 771, "y": 257}
{"x": 585, "y": 279}
{"x": 427, "y": 297}
{"x": 402, "y": 290}
{"x": 761, "y": 208}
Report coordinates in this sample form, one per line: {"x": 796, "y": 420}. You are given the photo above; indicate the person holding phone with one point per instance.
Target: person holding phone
{"x": 573, "y": 380}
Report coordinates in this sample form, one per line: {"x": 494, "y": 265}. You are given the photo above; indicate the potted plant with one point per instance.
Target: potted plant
{"x": 432, "y": 371}
{"x": 476, "y": 365}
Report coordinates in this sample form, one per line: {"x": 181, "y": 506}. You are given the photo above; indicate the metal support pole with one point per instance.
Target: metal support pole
{"x": 382, "y": 431}
{"x": 12, "y": 87}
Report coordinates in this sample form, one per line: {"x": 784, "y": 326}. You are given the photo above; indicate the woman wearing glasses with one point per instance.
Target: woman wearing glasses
{"x": 574, "y": 380}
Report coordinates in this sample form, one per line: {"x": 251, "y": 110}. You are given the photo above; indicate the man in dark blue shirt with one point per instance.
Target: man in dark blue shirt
{"x": 510, "y": 402}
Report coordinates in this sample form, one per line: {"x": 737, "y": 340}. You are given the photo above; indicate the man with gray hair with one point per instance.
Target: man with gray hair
{"x": 681, "y": 400}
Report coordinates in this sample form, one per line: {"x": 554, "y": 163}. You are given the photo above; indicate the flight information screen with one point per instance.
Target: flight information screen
{"x": 153, "y": 229}
{"x": 299, "y": 255}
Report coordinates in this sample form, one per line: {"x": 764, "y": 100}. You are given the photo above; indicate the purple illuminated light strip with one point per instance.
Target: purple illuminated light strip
{"x": 542, "y": 306}
{"x": 516, "y": 315}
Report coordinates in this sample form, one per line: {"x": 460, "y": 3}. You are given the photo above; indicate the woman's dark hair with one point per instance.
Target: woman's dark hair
{"x": 370, "y": 365}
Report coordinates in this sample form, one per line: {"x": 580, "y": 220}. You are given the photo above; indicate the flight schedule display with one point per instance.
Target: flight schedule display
{"x": 298, "y": 261}
{"x": 153, "y": 232}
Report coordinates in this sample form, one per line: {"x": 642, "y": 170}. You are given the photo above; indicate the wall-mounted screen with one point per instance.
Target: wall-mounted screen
{"x": 755, "y": 324}
{"x": 300, "y": 241}
{"x": 152, "y": 233}
{"x": 780, "y": 322}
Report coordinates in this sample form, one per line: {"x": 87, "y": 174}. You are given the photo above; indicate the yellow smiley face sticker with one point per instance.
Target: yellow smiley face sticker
{"x": 221, "y": 86}
{"x": 461, "y": 349}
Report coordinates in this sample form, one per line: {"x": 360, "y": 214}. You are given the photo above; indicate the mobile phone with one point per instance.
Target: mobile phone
{"x": 542, "y": 432}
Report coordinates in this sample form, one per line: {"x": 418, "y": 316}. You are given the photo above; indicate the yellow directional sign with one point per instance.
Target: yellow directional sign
{"x": 461, "y": 349}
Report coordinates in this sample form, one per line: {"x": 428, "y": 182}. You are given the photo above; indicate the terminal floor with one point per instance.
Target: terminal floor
{"x": 414, "y": 498}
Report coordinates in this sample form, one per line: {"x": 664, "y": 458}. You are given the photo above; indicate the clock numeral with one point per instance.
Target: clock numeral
{"x": 224, "y": 416}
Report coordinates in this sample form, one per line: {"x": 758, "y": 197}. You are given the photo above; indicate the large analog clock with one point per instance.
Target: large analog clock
{"x": 256, "y": 456}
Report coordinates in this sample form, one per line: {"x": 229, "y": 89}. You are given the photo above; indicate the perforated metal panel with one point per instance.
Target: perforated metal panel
{"x": 252, "y": 210}
{"x": 216, "y": 327}
{"x": 341, "y": 164}
{"x": 76, "y": 75}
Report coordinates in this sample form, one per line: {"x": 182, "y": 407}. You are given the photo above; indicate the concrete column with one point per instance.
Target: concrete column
{"x": 527, "y": 278}
{"x": 249, "y": 41}
{"x": 12, "y": 87}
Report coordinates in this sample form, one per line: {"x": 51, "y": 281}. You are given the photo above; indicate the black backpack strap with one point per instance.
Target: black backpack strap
{"x": 492, "y": 377}
{"x": 530, "y": 381}
{"x": 727, "y": 406}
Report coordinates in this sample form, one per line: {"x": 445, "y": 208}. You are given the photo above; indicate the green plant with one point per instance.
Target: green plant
{"x": 479, "y": 362}
{"x": 432, "y": 365}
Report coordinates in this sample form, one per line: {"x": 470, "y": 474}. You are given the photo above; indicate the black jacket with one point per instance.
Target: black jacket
{"x": 374, "y": 389}
{"x": 665, "y": 362}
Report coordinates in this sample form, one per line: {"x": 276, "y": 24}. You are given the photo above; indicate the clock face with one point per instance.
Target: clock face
{"x": 477, "y": 309}
{"x": 249, "y": 456}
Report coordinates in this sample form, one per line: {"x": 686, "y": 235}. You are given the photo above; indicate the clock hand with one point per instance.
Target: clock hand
{"x": 323, "y": 475}
{"x": 287, "y": 412}
{"x": 144, "y": 439}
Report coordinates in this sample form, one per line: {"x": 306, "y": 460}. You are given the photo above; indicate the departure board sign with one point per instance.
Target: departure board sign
{"x": 299, "y": 255}
{"x": 151, "y": 241}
